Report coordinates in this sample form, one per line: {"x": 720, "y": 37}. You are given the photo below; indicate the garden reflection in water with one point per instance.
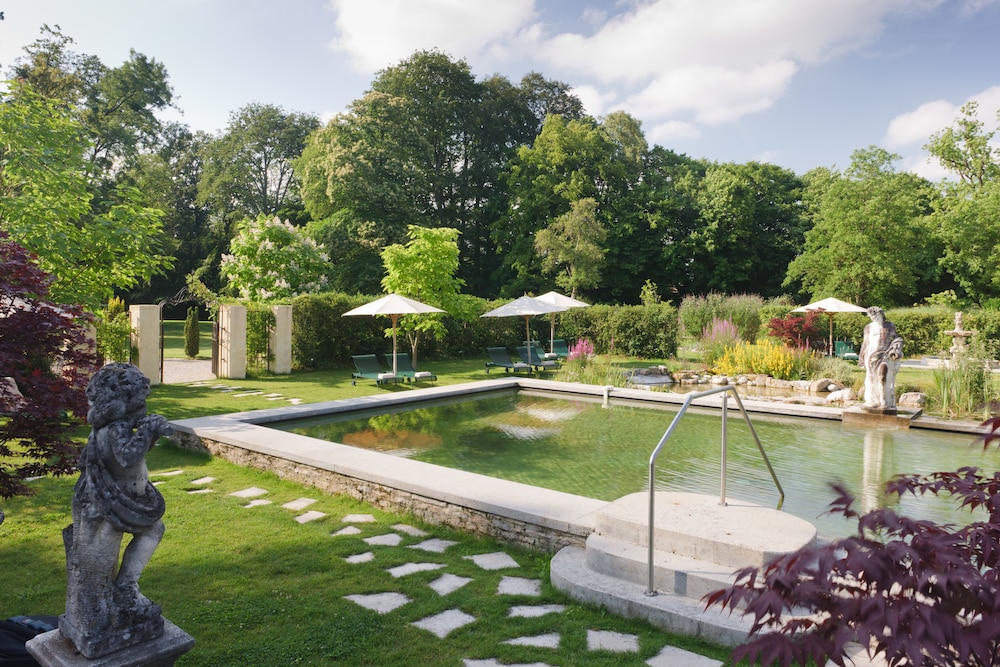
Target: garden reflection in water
{"x": 575, "y": 445}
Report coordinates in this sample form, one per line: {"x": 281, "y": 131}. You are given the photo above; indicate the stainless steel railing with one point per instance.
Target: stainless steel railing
{"x": 724, "y": 390}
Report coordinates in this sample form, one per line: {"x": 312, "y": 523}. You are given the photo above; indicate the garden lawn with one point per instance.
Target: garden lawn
{"x": 254, "y": 587}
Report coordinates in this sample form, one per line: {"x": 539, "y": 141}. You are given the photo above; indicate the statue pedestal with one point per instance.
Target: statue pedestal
{"x": 51, "y": 649}
{"x": 860, "y": 416}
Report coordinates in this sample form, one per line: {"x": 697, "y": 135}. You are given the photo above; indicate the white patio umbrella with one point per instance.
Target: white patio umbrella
{"x": 830, "y": 306}
{"x": 393, "y": 305}
{"x": 566, "y": 302}
{"x": 525, "y": 306}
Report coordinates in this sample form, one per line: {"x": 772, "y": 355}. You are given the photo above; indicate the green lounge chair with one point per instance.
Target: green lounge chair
{"x": 405, "y": 370}
{"x": 559, "y": 348}
{"x": 845, "y": 350}
{"x": 370, "y": 369}
{"x": 535, "y": 360}
{"x": 500, "y": 357}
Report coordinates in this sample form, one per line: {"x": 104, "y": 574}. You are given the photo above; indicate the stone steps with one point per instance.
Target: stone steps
{"x": 698, "y": 545}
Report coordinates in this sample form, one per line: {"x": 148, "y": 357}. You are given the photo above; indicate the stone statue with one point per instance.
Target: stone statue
{"x": 881, "y": 355}
{"x": 105, "y": 611}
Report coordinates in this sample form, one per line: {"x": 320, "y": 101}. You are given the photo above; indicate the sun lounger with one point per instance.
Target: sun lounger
{"x": 559, "y": 348}
{"x": 500, "y": 357}
{"x": 405, "y": 370}
{"x": 845, "y": 350}
{"x": 536, "y": 361}
{"x": 370, "y": 369}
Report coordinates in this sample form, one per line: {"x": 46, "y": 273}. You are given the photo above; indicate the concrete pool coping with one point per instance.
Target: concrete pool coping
{"x": 508, "y": 510}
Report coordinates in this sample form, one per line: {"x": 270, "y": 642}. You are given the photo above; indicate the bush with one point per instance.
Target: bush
{"x": 192, "y": 334}
{"x": 767, "y": 358}
{"x": 719, "y": 336}
{"x": 639, "y": 331}
{"x": 798, "y": 330}
{"x": 114, "y": 332}
{"x": 917, "y": 592}
{"x": 743, "y": 310}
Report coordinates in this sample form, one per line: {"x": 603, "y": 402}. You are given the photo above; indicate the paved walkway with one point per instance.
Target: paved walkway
{"x": 445, "y": 619}
{"x": 176, "y": 371}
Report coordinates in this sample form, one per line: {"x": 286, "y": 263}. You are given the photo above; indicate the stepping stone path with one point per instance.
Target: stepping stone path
{"x": 228, "y": 389}
{"x": 443, "y": 623}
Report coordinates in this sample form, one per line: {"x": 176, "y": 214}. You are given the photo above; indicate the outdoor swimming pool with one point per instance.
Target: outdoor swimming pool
{"x": 573, "y": 444}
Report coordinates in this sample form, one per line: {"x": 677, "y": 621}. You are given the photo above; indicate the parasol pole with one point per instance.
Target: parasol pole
{"x": 394, "y": 317}
{"x": 831, "y": 334}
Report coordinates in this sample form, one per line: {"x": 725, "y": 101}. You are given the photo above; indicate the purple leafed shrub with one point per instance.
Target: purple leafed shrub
{"x": 917, "y": 592}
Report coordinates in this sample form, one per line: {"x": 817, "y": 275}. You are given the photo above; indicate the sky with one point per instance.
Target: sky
{"x": 797, "y": 83}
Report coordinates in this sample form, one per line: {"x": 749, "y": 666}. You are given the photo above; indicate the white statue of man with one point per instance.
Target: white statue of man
{"x": 881, "y": 355}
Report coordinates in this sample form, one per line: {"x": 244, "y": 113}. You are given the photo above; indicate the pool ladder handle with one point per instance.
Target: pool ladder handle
{"x": 651, "y": 590}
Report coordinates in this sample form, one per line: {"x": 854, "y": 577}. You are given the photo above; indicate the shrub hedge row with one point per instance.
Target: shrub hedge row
{"x": 322, "y": 338}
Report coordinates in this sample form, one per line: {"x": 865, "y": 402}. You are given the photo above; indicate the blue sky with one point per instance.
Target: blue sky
{"x": 800, "y": 83}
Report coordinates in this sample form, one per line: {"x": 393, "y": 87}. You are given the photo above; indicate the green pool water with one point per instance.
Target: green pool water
{"x": 578, "y": 446}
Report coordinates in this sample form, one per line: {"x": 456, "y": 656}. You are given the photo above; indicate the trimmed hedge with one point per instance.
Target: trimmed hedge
{"x": 322, "y": 338}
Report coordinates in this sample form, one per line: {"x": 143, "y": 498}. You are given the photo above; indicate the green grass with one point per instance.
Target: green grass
{"x": 256, "y": 588}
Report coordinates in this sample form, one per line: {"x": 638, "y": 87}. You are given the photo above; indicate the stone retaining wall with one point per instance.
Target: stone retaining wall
{"x": 429, "y": 509}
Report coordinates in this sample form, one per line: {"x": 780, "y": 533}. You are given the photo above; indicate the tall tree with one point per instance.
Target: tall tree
{"x": 424, "y": 269}
{"x": 968, "y": 218}
{"x": 248, "y": 170}
{"x": 870, "y": 243}
{"x": 572, "y": 247}
{"x": 46, "y": 206}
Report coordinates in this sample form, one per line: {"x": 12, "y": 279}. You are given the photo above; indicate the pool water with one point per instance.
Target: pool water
{"x": 577, "y": 446}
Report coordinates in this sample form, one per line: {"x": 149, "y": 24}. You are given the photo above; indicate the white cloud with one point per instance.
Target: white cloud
{"x": 378, "y": 33}
{"x": 672, "y": 131}
{"x": 917, "y": 126}
{"x": 595, "y": 101}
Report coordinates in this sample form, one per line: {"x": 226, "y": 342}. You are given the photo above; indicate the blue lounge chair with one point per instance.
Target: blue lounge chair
{"x": 536, "y": 361}
{"x": 370, "y": 369}
{"x": 501, "y": 358}
{"x": 405, "y": 370}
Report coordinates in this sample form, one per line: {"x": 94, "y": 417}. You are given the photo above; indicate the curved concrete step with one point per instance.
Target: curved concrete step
{"x": 675, "y": 613}
{"x": 736, "y": 535}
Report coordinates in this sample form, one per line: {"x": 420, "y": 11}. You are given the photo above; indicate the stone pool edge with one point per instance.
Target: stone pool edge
{"x": 510, "y": 511}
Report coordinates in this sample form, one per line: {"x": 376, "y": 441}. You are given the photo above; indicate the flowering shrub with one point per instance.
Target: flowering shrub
{"x": 767, "y": 358}
{"x": 270, "y": 260}
{"x": 716, "y": 338}
{"x": 582, "y": 349}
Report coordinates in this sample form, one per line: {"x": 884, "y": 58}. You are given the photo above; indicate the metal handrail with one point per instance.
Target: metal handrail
{"x": 722, "y": 491}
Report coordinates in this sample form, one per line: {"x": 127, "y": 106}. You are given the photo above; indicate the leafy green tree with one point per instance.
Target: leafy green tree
{"x": 751, "y": 227}
{"x": 46, "y": 206}
{"x": 870, "y": 243}
{"x": 571, "y": 247}
{"x": 192, "y": 334}
{"x": 424, "y": 269}
{"x": 968, "y": 218}
{"x": 271, "y": 260}
{"x": 247, "y": 171}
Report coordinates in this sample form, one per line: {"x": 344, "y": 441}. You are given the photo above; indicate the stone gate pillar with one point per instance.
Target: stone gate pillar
{"x": 280, "y": 341}
{"x": 145, "y": 340}
{"x": 232, "y": 342}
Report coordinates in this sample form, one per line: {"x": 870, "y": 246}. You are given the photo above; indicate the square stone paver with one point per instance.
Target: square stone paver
{"x": 535, "y": 610}
{"x": 202, "y": 481}
{"x": 671, "y": 656}
{"x": 309, "y": 516}
{"x": 409, "y": 530}
{"x": 387, "y": 540}
{"x": 167, "y": 474}
{"x": 410, "y": 568}
{"x": 434, "y": 545}
{"x": 200, "y": 491}
{"x": 360, "y": 558}
{"x": 252, "y": 492}
{"x": 519, "y": 586}
{"x": 494, "y": 561}
{"x": 445, "y": 623}
{"x": 448, "y": 583}
{"x": 605, "y": 640}
{"x": 548, "y": 640}
{"x": 258, "y": 502}
{"x": 383, "y": 603}
{"x": 358, "y": 518}
{"x": 298, "y": 504}
{"x": 347, "y": 530}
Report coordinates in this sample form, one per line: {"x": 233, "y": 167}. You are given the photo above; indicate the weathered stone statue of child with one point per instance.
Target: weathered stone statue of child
{"x": 105, "y": 611}
{"x": 881, "y": 355}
